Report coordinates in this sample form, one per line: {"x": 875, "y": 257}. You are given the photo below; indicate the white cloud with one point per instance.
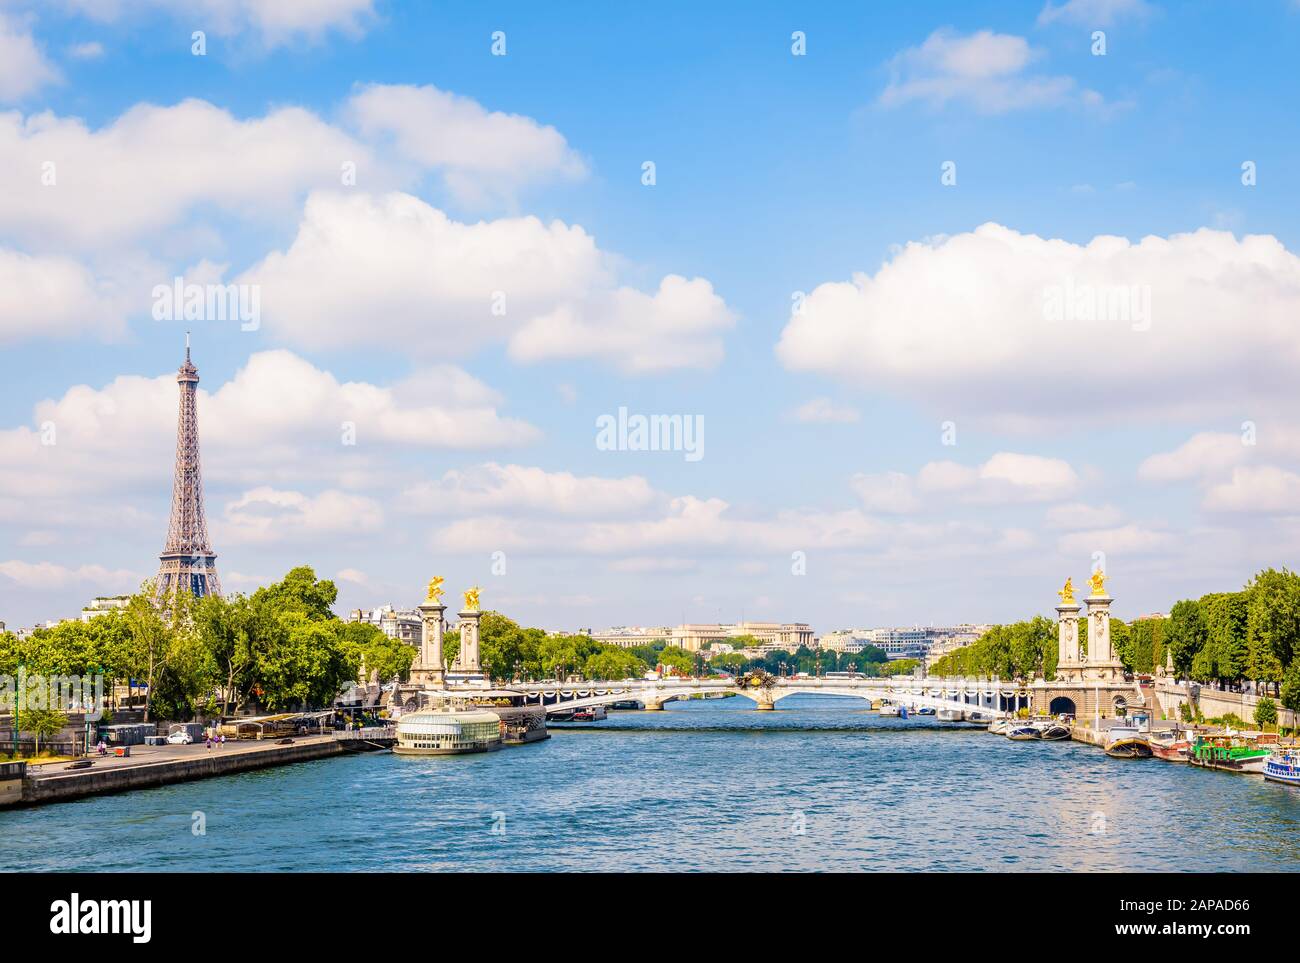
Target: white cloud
{"x": 278, "y": 417}
{"x": 140, "y": 174}
{"x": 23, "y": 67}
{"x": 146, "y": 170}
{"x": 1116, "y": 542}
{"x": 437, "y": 285}
{"x": 1263, "y": 489}
{"x": 679, "y": 326}
{"x": 1006, "y": 478}
{"x": 984, "y": 69}
{"x": 890, "y": 492}
{"x": 1093, "y": 13}
{"x": 275, "y": 22}
{"x": 1205, "y": 454}
{"x": 1222, "y": 312}
{"x": 479, "y": 151}
{"x": 528, "y": 490}
{"x": 1078, "y": 515}
{"x": 267, "y": 515}
{"x": 56, "y": 297}
{"x": 42, "y": 576}
{"x": 824, "y": 411}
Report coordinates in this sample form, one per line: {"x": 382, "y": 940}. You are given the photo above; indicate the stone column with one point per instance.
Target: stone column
{"x": 428, "y": 668}
{"x": 1067, "y": 641}
{"x": 1102, "y": 664}
{"x": 467, "y": 660}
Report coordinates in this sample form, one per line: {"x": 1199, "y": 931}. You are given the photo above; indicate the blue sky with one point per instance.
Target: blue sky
{"x": 775, "y": 174}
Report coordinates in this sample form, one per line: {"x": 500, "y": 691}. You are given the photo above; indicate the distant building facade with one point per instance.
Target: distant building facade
{"x": 400, "y": 624}
{"x": 103, "y": 605}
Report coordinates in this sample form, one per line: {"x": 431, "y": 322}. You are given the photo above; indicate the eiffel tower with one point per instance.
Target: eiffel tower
{"x": 188, "y": 562}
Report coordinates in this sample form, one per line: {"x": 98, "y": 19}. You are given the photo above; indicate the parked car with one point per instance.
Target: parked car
{"x": 180, "y": 738}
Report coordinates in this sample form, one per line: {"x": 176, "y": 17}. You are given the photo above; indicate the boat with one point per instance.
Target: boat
{"x": 975, "y": 717}
{"x": 447, "y": 731}
{"x": 1283, "y": 765}
{"x": 948, "y": 715}
{"x": 999, "y": 726}
{"x": 889, "y": 709}
{"x": 1229, "y": 752}
{"x": 628, "y": 704}
{"x": 1127, "y": 742}
{"x": 590, "y": 714}
{"x": 1022, "y": 730}
{"x": 1054, "y": 730}
{"x": 926, "y": 711}
{"x": 1172, "y": 745}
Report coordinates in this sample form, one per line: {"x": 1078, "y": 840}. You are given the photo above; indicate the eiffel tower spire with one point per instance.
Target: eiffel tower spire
{"x": 188, "y": 562}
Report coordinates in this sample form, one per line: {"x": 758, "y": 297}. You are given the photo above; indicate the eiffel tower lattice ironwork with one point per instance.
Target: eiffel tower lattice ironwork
{"x": 188, "y": 562}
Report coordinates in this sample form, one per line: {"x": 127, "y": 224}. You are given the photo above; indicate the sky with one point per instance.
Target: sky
{"x": 960, "y": 299}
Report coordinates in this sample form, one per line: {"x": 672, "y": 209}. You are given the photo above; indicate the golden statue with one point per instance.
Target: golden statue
{"x": 434, "y": 595}
{"x": 1067, "y": 593}
{"x": 471, "y": 600}
{"x": 1098, "y": 582}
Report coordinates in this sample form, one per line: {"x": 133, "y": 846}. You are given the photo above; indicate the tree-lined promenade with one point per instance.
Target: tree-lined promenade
{"x": 1222, "y": 639}
{"x": 282, "y": 647}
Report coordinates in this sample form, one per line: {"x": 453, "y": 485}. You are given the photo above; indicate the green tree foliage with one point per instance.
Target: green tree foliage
{"x": 1291, "y": 686}
{"x": 1186, "y": 634}
{"x": 1016, "y": 651}
{"x": 677, "y": 660}
{"x": 614, "y": 663}
{"x": 1272, "y": 624}
{"x": 1266, "y": 712}
{"x": 41, "y": 723}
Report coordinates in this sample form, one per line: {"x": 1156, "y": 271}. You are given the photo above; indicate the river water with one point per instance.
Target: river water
{"x": 819, "y": 784}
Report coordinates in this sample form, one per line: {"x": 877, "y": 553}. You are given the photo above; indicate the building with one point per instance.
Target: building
{"x": 927, "y": 643}
{"x": 103, "y": 605}
{"x": 629, "y": 636}
{"x": 788, "y": 636}
{"x": 400, "y": 624}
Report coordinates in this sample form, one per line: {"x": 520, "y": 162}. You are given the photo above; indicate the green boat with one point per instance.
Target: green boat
{"x": 1231, "y": 753}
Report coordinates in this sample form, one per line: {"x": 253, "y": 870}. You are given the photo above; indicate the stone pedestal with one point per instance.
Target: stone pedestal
{"x": 428, "y": 668}
{"x": 467, "y": 659}
{"x": 1101, "y": 665}
{"x": 1068, "y": 661}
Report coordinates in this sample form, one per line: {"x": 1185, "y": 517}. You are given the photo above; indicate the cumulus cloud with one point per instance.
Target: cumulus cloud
{"x": 279, "y": 416}
{"x": 58, "y": 297}
{"x": 1265, "y": 489}
{"x": 528, "y": 490}
{"x": 23, "y": 67}
{"x": 480, "y": 152}
{"x": 1127, "y": 540}
{"x": 435, "y": 284}
{"x": 985, "y": 70}
{"x": 144, "y": 171}
{"x": 1006, "y": 478}
{"x": 42, "y": 576}
{"x": 987, "y": 340}
{"x": 267, "y": 515}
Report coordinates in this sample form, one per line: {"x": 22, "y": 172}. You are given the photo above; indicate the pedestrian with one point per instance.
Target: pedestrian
{"x": 208, "y": 742}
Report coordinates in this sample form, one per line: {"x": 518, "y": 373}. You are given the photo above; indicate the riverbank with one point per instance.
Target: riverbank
{"x": 152, "y": 766}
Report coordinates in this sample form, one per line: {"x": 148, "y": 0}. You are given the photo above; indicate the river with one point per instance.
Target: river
{"x": 819, "y": 784}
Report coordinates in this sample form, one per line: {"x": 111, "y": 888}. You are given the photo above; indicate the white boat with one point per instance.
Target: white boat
{"x": 889, "y": 709}
{"x": 1283, "y": 765}
{"x": 947, "y": 715}
{"x": 976, "y": 717}
{"x": 1053, "y": 730}
{"x": 999, "y": 726}
{"x": 1022, "y": 730}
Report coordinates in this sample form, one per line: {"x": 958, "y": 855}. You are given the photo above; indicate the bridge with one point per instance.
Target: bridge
{"x": 991, "y": 697}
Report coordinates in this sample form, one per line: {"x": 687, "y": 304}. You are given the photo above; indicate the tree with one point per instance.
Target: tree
{"x": 614, "y": 663}
{"x": 41, "y": 723}
{"x": 1291, "y": 686}
{"x": 150, "y": 638}
{"x": 1265, "y": 712}
{"x": 300, "y": 591}
{"x": 677, "y": 660}
{"x": 1272, "y": 624}
{"x": 1185, "y": 634}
